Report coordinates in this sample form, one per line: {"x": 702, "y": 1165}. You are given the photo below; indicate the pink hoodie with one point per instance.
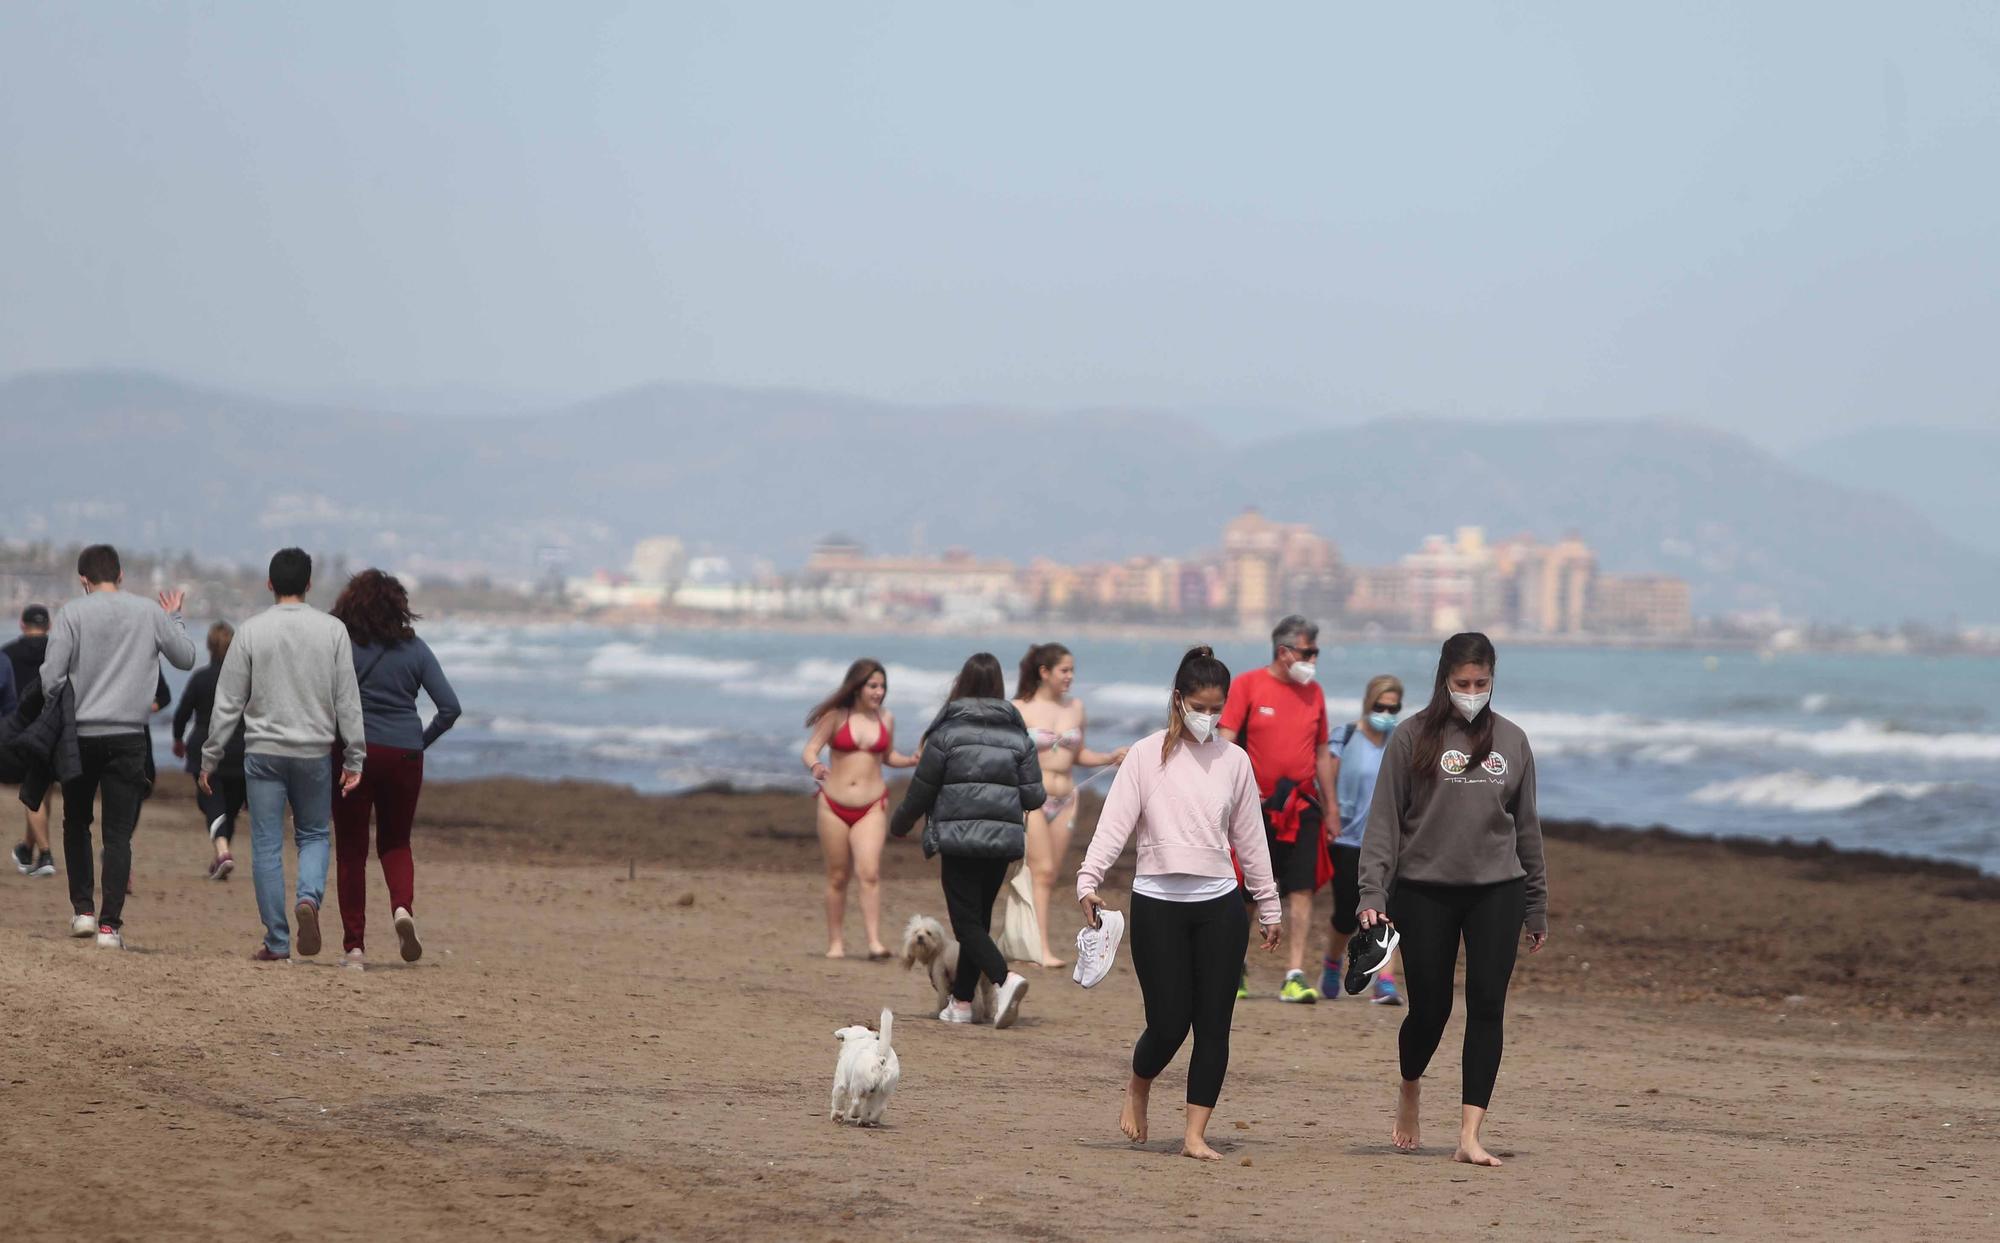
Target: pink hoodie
{"x": 1188, "y": 813}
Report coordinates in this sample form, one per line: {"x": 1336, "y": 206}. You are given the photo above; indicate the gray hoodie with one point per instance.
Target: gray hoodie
{"x": 289, "y": 681}
{"x": 107, "y": 647}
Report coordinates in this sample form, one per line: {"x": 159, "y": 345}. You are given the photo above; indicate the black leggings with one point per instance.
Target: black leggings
{"x": 970, "y": 885}
{"x": 1189, "y": 958}
{"x": 1431, "y": 919}
{"x": 231, "y": 791}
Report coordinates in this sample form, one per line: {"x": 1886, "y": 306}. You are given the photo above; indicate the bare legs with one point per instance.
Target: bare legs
{"x": 37, "y": 836}
{"x": 852, "y": 854}
{"x": 833, "y": 845}
{"x": 1299, "y": 915}
{"x": 1048, "y": 846}
{"x": 1470, "y": 1150}
{"x": 865, "y": 843}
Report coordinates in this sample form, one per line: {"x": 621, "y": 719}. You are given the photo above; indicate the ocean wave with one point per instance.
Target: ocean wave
{"x": 1614, "y": 733}
{"x": 607, "y": 739}
{"x": 635, "y": 662}
{"x": 911, "y": 689}
{"x": 1805, "y": 792}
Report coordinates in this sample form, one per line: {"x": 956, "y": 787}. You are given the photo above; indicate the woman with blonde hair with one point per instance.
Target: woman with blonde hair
{"x": 1357, "y": 758}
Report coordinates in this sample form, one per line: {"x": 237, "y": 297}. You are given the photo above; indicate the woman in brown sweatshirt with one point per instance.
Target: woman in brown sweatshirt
{"x": 1453, "y": 849}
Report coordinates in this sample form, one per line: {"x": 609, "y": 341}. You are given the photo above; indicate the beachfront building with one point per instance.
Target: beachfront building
{"x": 955, "y": 586}
{"x": 1546, "y": 586}
{"x": 1272, "y": 568}
{"x": 1644, "y": 605}
{"x": 1455, "y": 584}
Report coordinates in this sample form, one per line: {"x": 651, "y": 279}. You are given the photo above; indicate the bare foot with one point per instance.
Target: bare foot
{"x": 1472, "y": 1153}
{"x": 1133, "y": 1120}
{"x": 1054, "y": 964}
{"x": 1197, "y": 1147}
{"x": 1407, "y": 1099}
{"x": 837, "y": 952}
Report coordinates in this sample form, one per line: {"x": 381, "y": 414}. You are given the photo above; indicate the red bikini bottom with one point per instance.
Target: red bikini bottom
{"x": 852, "y": 815}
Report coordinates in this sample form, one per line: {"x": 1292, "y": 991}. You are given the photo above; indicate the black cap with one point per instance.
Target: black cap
{"x": 35, "y": 615}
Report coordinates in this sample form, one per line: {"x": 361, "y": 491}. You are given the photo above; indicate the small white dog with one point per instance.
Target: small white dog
{"x": 926, "y": 941}
{"x": 866, "y": 1076}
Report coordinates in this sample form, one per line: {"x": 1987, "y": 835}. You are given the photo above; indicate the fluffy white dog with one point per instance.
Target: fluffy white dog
{"x": 866, "y": 1076}
{"x": 926, "y": 941}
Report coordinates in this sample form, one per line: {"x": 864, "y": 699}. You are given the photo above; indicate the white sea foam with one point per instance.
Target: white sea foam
{"x": 1805, "y": 792}
{"x": 1815, "y": 702}
{"x": 911, "y": 689}
{"x": 1614, "y": 733}
{"x": 635, "y": 662}
{"x": 607, "y": 739}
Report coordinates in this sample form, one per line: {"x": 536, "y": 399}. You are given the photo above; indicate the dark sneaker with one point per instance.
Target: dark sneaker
{"x": 24, "y": 858}
{"x": 1368, "y": 951}
{"x": 264, "y": 954}
{"x": 45, "y": 865}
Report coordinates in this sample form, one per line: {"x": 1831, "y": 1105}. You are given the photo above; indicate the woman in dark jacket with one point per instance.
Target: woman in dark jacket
{"x": 977, "y": 780}
{"x": 220, "y": 808}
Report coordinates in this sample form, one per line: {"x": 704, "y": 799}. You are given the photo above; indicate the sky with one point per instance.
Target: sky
{"x": 1776, "y": 217}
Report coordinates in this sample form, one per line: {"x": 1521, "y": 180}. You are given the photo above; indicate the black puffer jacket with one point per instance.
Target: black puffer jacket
{"x": 977, "y": 780}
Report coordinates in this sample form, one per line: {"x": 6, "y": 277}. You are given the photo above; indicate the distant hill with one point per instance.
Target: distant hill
{"x": 1945, "y": 474}
{"x": 765, "y": 473}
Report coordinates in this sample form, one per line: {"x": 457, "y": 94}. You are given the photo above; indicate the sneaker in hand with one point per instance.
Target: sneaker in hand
{"x": 1368, "y": 951}
{"x": 1096, "y": 947}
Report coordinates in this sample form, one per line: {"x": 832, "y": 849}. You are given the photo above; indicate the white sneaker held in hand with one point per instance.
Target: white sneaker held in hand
{"x": 1096, "y": 947}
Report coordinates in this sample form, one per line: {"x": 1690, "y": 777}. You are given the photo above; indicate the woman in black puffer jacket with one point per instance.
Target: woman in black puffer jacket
{"x": 977, "y": 780}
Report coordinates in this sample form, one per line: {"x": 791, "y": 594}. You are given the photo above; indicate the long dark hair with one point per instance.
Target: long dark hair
{"x": 980, "y": 678}
{"x": 845, "y": 698}
{"x": 1041, "y": 656}
{"x": 1469, "y": 648}
{"x": 1198, "y": 671}
{"x": 375, "y": 609}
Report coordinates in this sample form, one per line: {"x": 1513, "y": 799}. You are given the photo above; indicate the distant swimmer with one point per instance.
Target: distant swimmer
{"x": 1453, "y": 850}
{"x": 853, "y": 798}
{"x": 1057, "y": 724}
{"x": 1188, "y": 798}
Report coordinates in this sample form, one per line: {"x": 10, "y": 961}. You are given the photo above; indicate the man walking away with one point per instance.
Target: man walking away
{"x": 24, "y": 655}
{"x": 288, "y": 683}
{"x": 105, "y": 648}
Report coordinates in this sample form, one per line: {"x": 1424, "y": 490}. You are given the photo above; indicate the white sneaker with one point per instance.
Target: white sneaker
{"x": 956, "y": 1012}
{"x": 406, "y": 932}
{"x": 354, "y": 960}
{"x": 108, "y": 938}
{"x": 1096, "y": 947}
{"x": 83, "y": 926}
{"x": 1007, "y": 1003}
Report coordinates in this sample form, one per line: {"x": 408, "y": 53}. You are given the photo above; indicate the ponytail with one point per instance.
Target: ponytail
{"x": 1199, "y": 670}
{"x": 1041, "y": 656}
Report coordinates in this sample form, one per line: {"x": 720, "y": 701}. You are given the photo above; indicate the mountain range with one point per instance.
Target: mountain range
{"x": 158, "y": 463}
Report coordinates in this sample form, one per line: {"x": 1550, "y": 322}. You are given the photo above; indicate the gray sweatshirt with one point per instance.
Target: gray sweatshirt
{"x": 1471, "y": 826}
{"x": 289, "y": 680}
{"x": 107, "y": 647}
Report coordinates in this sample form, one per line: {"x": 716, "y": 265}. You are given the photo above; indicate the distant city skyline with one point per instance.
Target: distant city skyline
{"x": 1770, "y": 218}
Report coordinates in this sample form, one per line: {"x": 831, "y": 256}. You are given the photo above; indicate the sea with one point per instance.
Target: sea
{"x": 1886, "y": 752}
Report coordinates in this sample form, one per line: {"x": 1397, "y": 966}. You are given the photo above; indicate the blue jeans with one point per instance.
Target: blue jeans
{"x": 272, "y": 781}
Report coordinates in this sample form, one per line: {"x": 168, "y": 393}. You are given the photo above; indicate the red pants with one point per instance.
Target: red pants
{"x": 391, "y": 780}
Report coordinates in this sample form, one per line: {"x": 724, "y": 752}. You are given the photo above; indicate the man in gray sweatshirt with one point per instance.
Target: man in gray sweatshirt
{"x": 106, "y": 648}
{"x": 288, "y": 683}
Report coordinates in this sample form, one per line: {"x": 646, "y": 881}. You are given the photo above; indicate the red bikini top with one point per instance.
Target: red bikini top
{"x": 843, "y": 738}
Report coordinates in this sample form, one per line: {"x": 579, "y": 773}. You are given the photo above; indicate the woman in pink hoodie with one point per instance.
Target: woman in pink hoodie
{"x": 1190, "y": 797}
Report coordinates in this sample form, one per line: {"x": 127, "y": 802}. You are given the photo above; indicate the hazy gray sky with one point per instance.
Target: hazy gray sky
{"x": 1777, "y": 216}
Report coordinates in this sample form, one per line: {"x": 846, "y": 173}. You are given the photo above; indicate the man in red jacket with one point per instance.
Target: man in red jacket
{"x": 1278, "y": 715}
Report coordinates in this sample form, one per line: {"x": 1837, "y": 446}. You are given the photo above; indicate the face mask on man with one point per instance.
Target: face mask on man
{"x": 1470, "y": 706}
{"x": 1304, "y": 671}
{"x": 1200, "y": 725}
{"x": 1381, "y": 722}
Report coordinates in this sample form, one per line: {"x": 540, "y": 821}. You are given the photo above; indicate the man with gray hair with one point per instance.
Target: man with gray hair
{"x": 1278, "y": 715}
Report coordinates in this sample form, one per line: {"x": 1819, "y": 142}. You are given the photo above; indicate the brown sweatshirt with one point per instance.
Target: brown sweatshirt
{"x": 1471, "y": 826}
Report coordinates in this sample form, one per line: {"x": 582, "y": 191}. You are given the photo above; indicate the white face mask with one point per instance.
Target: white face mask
{"x": 1469, "y": 705}
{"x": 1303, "y": 672}
{"x": 1200, "y": 725}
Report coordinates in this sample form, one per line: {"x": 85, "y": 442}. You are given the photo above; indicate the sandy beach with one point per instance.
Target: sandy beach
{"x": 1722, "y": 1040}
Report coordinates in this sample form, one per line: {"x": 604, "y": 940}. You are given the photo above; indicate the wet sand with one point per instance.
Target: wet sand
{"x": 1733, "y": 1041}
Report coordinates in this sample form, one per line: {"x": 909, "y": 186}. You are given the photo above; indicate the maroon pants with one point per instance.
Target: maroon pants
{"x": 391, "y": 780}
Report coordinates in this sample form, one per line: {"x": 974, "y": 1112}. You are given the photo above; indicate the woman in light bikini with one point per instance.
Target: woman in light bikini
{"x": 853, "y": 799}
{"x": 1056, "y": 723}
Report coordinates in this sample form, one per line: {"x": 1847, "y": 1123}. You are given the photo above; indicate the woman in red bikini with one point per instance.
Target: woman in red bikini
{"x": 853, "y": 800}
